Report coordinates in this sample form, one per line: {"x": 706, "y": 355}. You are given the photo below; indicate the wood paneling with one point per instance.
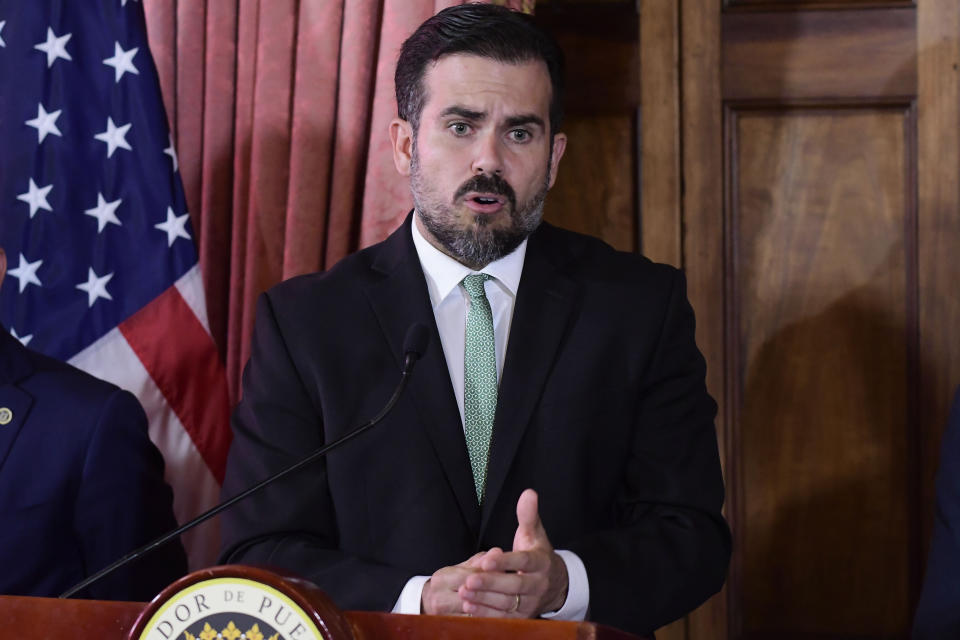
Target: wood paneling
{"x": 595, "y": 191}
{"x": 601, "y": 43}
{"x": 702, "y": 213}
{"x": 597, "y": 188}
{"x": 796, "y": 5}
{"x": 820, "y": 250}
{"x": 660, "y": 131}
{"x": 820, "y": 219}
{"x": 819, "y": 54}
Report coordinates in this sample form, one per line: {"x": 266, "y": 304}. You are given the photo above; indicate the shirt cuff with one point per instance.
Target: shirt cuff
{"x": 578, "y": 590}
{"x": 409, "y": 600}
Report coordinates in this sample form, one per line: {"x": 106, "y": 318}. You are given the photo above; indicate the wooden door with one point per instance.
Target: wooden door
{"x": 834, "y": 232}
{"x": 801, "y": 161}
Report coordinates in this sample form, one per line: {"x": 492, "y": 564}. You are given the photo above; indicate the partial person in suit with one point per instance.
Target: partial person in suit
{"x": 555, "y": 453}
{"x": 938, "y": 614}
{"x": 80, "y": 482}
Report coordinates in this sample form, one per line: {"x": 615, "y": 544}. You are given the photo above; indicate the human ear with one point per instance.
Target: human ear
{"x": 559, "y": 146}
{"x": 401, "y": 135}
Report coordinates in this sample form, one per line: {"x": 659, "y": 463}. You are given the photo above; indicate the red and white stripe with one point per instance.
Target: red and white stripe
{"x": 164, "y": 355}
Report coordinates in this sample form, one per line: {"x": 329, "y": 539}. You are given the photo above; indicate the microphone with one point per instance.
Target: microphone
{"x": 414, "y": 344}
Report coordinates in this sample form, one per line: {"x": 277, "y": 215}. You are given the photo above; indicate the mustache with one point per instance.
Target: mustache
{"x": 486, "y": 183}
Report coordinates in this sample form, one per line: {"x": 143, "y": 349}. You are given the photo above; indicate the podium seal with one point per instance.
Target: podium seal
{"x": 241, "y": 603}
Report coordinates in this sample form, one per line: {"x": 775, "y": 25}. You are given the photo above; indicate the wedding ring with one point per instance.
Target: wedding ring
{"x": 516, "y": 604}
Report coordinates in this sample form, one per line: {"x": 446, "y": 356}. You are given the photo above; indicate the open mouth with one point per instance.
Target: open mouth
{"x": 484, "y": 203}
{"x": 485, "y": 199}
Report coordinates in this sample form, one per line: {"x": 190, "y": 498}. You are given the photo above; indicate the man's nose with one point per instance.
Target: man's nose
{"x": 488, "y": 157}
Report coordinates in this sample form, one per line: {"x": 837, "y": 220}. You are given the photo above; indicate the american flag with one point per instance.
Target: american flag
{"x": 102, "y": 266}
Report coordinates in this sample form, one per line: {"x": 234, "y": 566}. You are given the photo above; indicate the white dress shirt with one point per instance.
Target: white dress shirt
{"x": 450, "y": 304}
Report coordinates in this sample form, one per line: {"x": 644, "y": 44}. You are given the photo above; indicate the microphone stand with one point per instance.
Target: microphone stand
{"x": 409, "y": 360}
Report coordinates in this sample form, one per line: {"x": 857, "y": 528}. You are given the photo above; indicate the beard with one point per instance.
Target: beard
{"x": 476, "y": 243}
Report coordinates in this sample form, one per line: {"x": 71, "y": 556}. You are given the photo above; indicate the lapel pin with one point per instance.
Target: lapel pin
{"x": 5, "y": 416}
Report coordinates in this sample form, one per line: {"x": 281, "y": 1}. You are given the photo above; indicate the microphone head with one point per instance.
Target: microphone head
{"x": 415, "y": 342}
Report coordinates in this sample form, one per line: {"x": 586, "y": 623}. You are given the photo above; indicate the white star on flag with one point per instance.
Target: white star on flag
{"x": 170, "y": 151}
{"x": 122, "y": 61}
{"x": 96, "y": 287}
{"x": 45, "y": 123}
{"x": 115, "y": 137}
{"x": 54, "y": 47}
{"x": 24, "y": 340}
{"x": 2, "y": 24}
{"x": 174, "y": 227}
{"x": 26, "y": 273}
{"x": 123, "y": 3}
{"x": 36, "y": 197}
{"x": 105, "y": 212}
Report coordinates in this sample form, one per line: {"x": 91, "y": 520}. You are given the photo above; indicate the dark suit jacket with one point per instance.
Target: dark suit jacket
{"x": 80, "y": 483}
{"x": 602, "y": 409}
{"x": 938, "y": 614}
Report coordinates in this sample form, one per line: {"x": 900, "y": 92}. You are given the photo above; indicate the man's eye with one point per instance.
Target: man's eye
{"x": 520, "y": 135}
{"x": 460, "y": 128}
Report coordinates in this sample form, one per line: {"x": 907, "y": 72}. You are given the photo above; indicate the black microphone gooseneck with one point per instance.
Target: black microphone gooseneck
{"x": 414, "y": 344}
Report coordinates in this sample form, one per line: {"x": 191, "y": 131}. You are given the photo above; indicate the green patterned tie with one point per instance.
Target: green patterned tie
{"x": 479, "y": 379}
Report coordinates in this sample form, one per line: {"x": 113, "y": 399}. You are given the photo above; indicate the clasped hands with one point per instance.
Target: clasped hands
{"x": 523, "y": 583}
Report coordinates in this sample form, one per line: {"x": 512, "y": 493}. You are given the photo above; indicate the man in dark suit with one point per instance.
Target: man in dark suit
{"x": 938, "y": 614}
{"x": 80, "y": 482}
{"x": 555, "y": 454}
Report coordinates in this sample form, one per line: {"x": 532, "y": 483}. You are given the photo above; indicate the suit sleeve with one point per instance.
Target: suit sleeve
{"x": 938, "y": 613}
{"x": 292, "y": 523}
{"x": 124, "y": 503}
{"x": 670, "y": 548}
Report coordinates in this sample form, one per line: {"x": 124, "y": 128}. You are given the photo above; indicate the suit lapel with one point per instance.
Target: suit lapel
{"x": 545, "y": 300}
{"x": 15, "y": 403}
{"x": 400, "y": 300}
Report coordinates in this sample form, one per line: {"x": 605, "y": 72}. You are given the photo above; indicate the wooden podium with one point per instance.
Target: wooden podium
{"x": 185, "y": 600}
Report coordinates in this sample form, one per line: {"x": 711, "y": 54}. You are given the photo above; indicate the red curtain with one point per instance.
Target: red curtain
{"x": 279, "y": 111}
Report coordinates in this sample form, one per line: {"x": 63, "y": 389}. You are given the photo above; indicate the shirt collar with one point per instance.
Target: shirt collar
{"x": 443, "y": 273}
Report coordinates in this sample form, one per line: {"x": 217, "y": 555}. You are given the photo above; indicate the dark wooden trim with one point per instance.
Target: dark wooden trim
{"x": 658, "y": 120}
{"x": 732, "y": 365}
{"x": 819, "y": 5}
{"x": 811, "y": 54}
{"x": 914, "y": 433}
{"x": 831, "y": 104}
{"x": 701, "y": 161}
{"x": 638, "y": 154}
{"x": 799, "y": 635}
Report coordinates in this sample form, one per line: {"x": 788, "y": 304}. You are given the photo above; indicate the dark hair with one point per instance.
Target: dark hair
{"x": 484, "y": 30}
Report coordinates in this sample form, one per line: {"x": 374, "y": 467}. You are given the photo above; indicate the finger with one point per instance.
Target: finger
{"x": 450, "y": 578}
{"x": 507, "y": 603}
{"x": 473, "y": 562}
{"x": 530, "y": 532}
{"x": 526, "y": 561}
{"x": 488, "y": 559}
{"x": 482, "y": 611}
{"x": 527, "y": 509}
{"x": 504, "y": 583}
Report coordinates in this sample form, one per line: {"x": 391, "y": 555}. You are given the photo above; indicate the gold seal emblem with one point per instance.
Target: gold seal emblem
{"x": 5, "y": 415}
{"x": 227, "y": 608}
